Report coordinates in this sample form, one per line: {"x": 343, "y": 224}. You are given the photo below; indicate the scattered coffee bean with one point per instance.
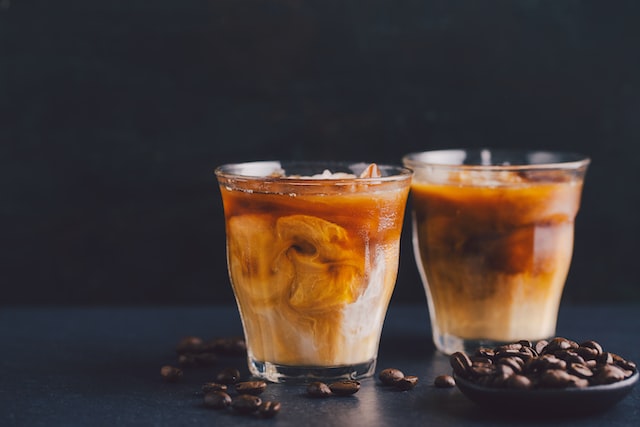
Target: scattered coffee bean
{"x": 558, "y": 363}
{"x": 228, "y": 376}
{"x": 189, "y": 344}
{"x": 171, "y": 373}
{"x": 269, "y": 409}
{"x": 444, "y": 381}
{"x": 246, "y": 403}
{"x": 207, "y": 387}
{"x": 216, "y": 400}
{"x": 251, "y": 387}
{"x": 318, "y": 389}
{"x": 405, "y": 383}
{"x": 344, "y": 387}
{"x": 389, "y": 376}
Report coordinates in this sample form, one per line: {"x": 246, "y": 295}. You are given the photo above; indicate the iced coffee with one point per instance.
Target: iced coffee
{"x": 493, "y": 238}
{"x": 312, "y": 251}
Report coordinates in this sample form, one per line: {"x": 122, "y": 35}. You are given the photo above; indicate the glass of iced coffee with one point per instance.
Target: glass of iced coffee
{"x": 312, "y": 253}
{"x": 493, "y": 240}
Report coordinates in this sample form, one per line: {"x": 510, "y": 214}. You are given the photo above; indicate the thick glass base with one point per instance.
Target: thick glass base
{"x": 305, "y": 374}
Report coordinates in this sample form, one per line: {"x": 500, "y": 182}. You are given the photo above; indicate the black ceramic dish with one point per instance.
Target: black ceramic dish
{"x": 551, "y": 402}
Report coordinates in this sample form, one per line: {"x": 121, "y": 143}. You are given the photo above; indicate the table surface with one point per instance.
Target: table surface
{"x": 100, "y": 366}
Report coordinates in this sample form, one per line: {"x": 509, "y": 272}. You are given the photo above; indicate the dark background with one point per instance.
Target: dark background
{"x": 113, "y": 115}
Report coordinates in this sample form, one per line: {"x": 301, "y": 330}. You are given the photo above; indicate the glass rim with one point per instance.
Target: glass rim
{"x": 562, "y": 159}
{"x": 228, "y": 171}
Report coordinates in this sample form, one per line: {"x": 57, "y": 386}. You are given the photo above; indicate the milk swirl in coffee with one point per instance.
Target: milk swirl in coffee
{"x": 313, "y": 262}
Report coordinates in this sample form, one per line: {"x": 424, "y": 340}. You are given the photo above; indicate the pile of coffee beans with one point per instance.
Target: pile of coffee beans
{"x": 393, "y": 377}
{"x": 554, "y": 364}
{"x": 337, "y": 388}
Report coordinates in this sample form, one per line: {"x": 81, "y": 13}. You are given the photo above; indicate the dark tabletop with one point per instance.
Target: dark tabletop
{"x": 100, "y": 366}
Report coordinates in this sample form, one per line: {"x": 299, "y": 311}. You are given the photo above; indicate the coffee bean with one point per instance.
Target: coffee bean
{"x": 559, "y": 343}
{"x": 519, "y": 382}
{"x": 569, "y": 356}
{"x": 587, "y": 353}
{"x": 269, "y": 409}
{"x": 540, "y": 346}
{"x": 608, "y": 374}
{"x": 550, "y": 361}
{"x": 246, "y": 403}
{"x": 444, "y": 381}
{"x": 555, "y": 378}
{"x": 479, "y": 370}
{"x": 228, "y": 376}
{"x": 189, "y": 344}
{"x": 216, "y": 400}
{"x": 579, "y": 382}
{"x": 527, "y": 353}
{"x": 580, "y": 370}
{"x": 513, "y": 362}
{"x": 407, "y": 382}
{"x": 171, "y": 373}
{"x": 624, "y": 364}
{"x": 593, "y": 345}
{"x": 485, "y": 352}
{"x": 481, "y": 360}
{"x": 207, "y": 387}
{"x": 318, "y": 389}
{"x": 345, "y": 387}
{"x": 502, "y": 374}
{"x": 508, "y": 347}
{"x": 389, "y": 376}
{"x": 605, "y": 358}
{"x": 251, "y": 387}
{"x": 461, "y": 364}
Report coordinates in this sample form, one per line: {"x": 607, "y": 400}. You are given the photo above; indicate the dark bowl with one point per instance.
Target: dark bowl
{"x": 551, "y": 402}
